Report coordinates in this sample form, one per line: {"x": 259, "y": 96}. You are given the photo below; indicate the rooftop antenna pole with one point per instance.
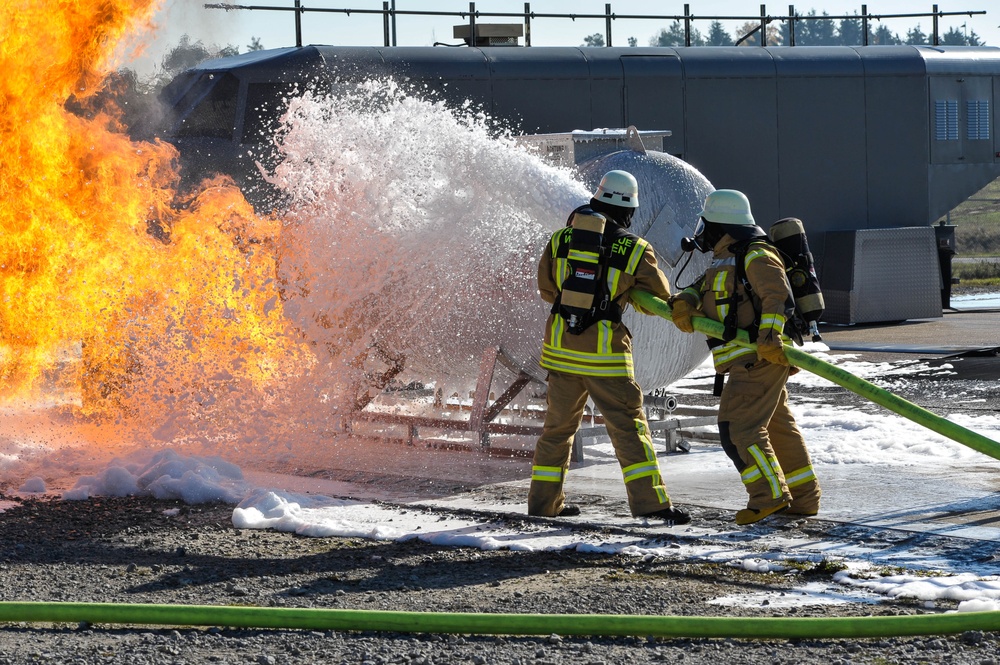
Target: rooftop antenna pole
{"x": 936, "y": 42}
{"x": 393, "y": 22}
{"x": 527, "y": 24}
{"x": 298, "y": 23}
{"x": 687, "y": 24}
{"x": 607, "y": 21}
{"x": 763, "y": 25}
{"x": 864, "y": 24}
{"x": 385, "y": 24}
{"x": 472, "y": 24}
{"x": 791, "y": 25}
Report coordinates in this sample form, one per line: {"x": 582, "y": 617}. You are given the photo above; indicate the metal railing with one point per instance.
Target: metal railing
{"x": 389, "y": 14}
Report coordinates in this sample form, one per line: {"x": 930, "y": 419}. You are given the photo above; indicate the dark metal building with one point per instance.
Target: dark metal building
{"x": 846, "y": 138}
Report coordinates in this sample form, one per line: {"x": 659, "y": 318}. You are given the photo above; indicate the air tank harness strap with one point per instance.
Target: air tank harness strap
{"x": 730, "y": 331}
{"x": 606, "y": 310}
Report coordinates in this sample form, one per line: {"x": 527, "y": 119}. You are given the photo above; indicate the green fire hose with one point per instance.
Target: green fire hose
{"x": 842, "y": 378}
{"x": 609, "y": 625}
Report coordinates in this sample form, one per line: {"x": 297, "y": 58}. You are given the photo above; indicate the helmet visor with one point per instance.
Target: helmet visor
{"x": 699, "y": 227}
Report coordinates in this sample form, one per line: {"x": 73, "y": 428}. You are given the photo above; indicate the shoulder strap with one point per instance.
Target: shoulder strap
{"x": 740, "y": 250}
{"x": 794, "y": 321}
{"x": 619, "y": 250}
{"x": 624, "y": 250}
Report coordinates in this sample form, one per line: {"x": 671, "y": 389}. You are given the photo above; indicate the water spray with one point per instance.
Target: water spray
{"x": 842, "y": 378}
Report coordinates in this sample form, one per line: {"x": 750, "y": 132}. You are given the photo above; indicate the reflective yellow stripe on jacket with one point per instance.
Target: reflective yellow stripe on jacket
{"x": 600, "y": 358}
{"x": 768, "y": 321}
{"x": 589, "y": 364}
{"x": 727, "y": 353}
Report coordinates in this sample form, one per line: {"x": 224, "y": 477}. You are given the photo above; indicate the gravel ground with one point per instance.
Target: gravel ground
{"x": 141, "y": 550}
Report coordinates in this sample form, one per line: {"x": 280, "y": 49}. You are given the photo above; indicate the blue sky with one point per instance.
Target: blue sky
{"x": 276, "y": 29}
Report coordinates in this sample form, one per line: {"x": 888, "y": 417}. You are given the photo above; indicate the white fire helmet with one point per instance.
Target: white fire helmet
{"x": 728, "y": 206}
{"x": 619, "y": 188}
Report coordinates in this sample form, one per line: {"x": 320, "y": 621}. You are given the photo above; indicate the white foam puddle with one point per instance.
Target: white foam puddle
{"x": 814, "y": 593}
{"x": 976, "y": 301}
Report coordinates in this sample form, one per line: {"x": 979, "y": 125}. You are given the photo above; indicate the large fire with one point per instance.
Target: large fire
{"x": 99, "y": 258}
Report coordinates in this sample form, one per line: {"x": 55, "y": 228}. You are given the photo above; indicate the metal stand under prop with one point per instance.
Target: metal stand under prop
{"x": 482, "y": 414}
{"x": 674, "y": 421}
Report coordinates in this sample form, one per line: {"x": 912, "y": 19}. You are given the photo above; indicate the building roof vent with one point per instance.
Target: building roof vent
{"x": 490, "y": 34}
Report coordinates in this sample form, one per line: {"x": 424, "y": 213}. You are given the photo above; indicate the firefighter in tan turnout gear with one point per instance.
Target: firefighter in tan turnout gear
{"x": 586, "y": 271}
{"x": 757, "y": 428}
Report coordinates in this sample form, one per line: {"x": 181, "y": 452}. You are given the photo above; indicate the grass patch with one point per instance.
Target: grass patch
{"x": 977, "y": 235}
{"x": 976, "y": 284}
{"x": 893, "y": 571}
{"x": 977, "y": 222}
{"x": 822, "y": 567}
{"x": 978, "y": 271}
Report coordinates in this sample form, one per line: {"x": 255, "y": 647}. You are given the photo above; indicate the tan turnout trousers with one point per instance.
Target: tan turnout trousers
{"x": 619, "y": 400}
{"x": 759, "y": 434}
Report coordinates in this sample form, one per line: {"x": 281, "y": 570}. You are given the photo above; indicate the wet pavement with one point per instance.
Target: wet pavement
{"x": 961, "y": 374}
{"x": 961, "y": 351}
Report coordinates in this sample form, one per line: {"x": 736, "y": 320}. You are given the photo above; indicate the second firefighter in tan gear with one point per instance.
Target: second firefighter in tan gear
{"x": 756, "y": 426}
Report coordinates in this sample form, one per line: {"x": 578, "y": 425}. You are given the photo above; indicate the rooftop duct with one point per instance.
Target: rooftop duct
{"x": 490, "y": 34}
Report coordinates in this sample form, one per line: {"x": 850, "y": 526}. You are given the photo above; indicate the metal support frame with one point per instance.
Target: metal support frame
{"x": 482, "y": 414}
{"x": 374, "y": 381}
{"x": 675, "y": 429}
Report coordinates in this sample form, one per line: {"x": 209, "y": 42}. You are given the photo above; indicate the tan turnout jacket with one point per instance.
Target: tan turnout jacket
{"x": 605, "y": 348}
{"x": 771, "y": 294}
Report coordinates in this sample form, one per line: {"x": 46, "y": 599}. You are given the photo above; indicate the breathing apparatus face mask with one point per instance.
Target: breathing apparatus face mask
{"x": 700, "y": 241}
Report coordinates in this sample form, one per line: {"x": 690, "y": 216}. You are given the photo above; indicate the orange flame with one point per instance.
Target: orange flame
{"x": 78, "y": 265}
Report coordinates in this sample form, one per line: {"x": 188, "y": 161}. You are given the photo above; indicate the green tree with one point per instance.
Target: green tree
{"x": 596, "y": 39}
{"x": 255, "y": 44}
{"x": 803, "y": 30}
{"x": 885, "y": 37}
{"x": 953, "y": 37}
{"x": 822, "y": 31}
{"x": 956, "y": 37}
{"x": 633, "y": 42}
{"x": 752, "y": 28}
{"x": 674, "y": 36}
{"x": 717, "y": 35}
{"x": 916, "y": 36}
{"x": 786, "y": 32}
{"x": 850, "y": 32}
